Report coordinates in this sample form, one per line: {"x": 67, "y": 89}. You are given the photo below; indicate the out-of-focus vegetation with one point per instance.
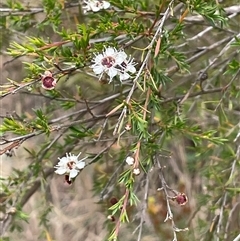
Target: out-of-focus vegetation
{"x": 178, "y": 117}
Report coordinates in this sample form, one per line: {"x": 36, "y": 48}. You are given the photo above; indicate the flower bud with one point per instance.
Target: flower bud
{"x": 181, "y": 199}
{"x": 136, "y": 171}
{"x": 130, "y": 160}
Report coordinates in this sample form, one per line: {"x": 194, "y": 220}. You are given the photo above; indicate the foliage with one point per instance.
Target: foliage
{"x": 176, "y": 116}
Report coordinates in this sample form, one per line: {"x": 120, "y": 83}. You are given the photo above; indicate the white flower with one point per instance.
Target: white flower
{"x": 70, "y": 165}
{"x": 130, "y": 160}
{"x": 113, "y": 63}
{"x": 95, "y": 6}
{"x": 107, "y": 62}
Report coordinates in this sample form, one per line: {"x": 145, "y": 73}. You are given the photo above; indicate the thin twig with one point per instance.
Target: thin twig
{"x": 144, "y": 208}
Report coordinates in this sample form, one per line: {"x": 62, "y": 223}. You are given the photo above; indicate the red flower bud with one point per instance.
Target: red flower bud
{"x": 181, "y": 199}
{"x": 113, "y": 201}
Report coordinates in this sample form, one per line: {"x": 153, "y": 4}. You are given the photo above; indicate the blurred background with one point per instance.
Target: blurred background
{"x": 76, "y": 212}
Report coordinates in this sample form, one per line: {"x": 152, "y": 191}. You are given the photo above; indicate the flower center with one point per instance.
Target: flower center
{"x": 48, "y": 81}
{"x": 108, "y": 61}
{"x": 71, "y": 165}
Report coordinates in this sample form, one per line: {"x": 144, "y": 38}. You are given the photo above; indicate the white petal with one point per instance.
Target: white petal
{"x": 61, "y": 171}
{"x": 73, "y": 173}
{"x": 106, "y": 4}
{"x": 110, "y": 51}
{"x": 80, "y": 165}
{"x": 98, "y": 69}
{"x": 124, "y": 76}
{"x": 95, "y": 8}
{"x": 98, "y": 58}
{"x": 73, "y": 158}
{"x": 112, "y": 72}
{"x": 121, "y": 57}
{"x": 86, "y": 9}
{"x": 91, "y": 5}
{"x": 63, "y": 160}
{"x": 131, "y": 68}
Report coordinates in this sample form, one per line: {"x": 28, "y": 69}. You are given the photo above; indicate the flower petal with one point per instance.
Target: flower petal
{"x": 73, "y": 173}
{"x": 124, "y": 76}
{"x": 106, "y": 4}
{"x": 80, "y": 165}
{"x": 98, "y": 69}
{"x": 61, "y": 171}
{"x": 131, "y": 68}
{"x": 112, "y": 72}
{"x": 110, "y": 52}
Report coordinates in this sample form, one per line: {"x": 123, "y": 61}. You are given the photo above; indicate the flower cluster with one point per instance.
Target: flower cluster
{"x": 95, "y": 6}
{"x": 70, "y": 165}
{"x": 113, "y": 62}
{"x": 131, "y": 161}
